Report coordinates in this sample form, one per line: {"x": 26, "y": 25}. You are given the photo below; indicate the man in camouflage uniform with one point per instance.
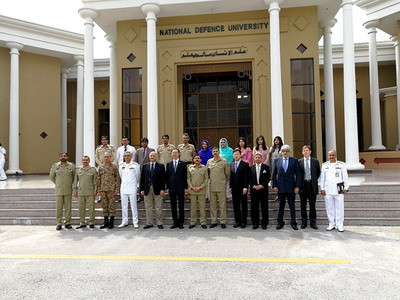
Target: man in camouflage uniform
{"x": 164, "y": 150}
{"x": 85, "y": 188}
{"x": 188, "y": 151}
{"x": 103, "y": 148}
{"x": 197, "y": 179}
{"x": 62, "y": 174}
{"x": 219, "y": 173}
{"x": 108, "y": 184}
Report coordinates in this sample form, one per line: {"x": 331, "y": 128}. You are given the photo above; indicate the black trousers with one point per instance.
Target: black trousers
{"x": 257, "y": 198}
{"x": 239, "y": 206}
{"x": 282, "y": 202}
{"x": 308, "y": 194}
{"x": 178, "y": 220}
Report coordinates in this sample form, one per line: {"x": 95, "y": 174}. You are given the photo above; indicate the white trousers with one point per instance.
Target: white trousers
{"x": 335, "y": 209}
{"x": 125, "y": 198}
{"x": 3, "y": 175}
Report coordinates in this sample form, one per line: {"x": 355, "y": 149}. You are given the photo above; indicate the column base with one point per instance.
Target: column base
{"x": 14, "y": 172}
{"x": 377, "y": 147}
{"x": 355, "y": 166}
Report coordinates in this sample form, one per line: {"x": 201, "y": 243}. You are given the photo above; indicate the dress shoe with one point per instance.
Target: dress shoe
{"x": 314, "y": 226}
{"x": 303, "y": 226}
{"x": 122, "y": 225}
{"x": 340, "y": 228}
{"x": 223, "y": 226}
{"x": 91, "y": 226}
{"x": 68, "y": 226}
{"x": 236, "y": 225}
{"x": 160, "y": 227}
{"x": 173, "y": 227}
{"x": 330, "y": 228}
{"x": 58, "y": 227}
{"x": 204, "y": 226}
{"x": 264, "y": 227}
{"x": 193, "y": 226}
{"x": 81, "y": 226}
{"x": 255, "y": 226}
{"x": 294, "y": 226}
{"x": 243, "y": 226}
{"x": 147, "y": 226}
{"x": 181, "y": 227}
{"x": 213, "y": 225}
{"x": 280, "y": 226}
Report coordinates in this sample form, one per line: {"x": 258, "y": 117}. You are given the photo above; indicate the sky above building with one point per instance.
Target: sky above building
{"x": 63, "y": 14}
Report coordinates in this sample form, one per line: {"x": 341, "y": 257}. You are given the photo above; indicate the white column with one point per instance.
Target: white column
{"x": 349, "y": 87}
{"x": 13, "y": 152}
{"x": 64, "y": 118}
{"x": 113, "y": 92}
{"x": 330, "y": 123}
{"x": 275, "y": 67}
{"x": 376, "y": 128}
{"x": 151, "y": 10}
{"x": 397, "y": 52}
{"x": 79, "y": 110}
{"x": 89, "y": 148}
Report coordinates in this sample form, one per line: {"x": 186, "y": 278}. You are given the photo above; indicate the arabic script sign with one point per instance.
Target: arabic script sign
{"x": 212, "y": 53}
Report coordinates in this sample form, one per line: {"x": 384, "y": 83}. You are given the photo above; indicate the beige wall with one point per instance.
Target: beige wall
{"x": 299, "y": 25}
{"x": 39, "y": 109}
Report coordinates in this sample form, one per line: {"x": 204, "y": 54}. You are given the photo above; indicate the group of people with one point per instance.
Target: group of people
{"x": 218, "y": 173}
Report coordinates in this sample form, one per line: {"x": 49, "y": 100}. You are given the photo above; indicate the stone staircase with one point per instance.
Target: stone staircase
{"x": 364, "y": 205}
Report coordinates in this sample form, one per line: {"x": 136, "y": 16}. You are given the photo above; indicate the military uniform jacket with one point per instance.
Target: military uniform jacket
{"x": 164, "y": 153}
{"x": 63, "y": 177}
{"x": 85, "y": 182}
{"x": 219, "y": 173}
{"x": 331, "y": 175}
{"x": 197, "y": 177}
{"x": 100, "y": 150}
{"x": 108, "y": 179}
{"x": 130, "y": 177}
{"x": 187, "y": 152}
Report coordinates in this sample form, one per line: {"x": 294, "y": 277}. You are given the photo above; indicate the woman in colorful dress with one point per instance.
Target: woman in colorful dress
{"x": 205, "y": 152}
{"x": 262, "y": 148}
{"x": 246, "y": 153}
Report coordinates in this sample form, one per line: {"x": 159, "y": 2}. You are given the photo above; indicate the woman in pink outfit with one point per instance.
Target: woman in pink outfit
{"x": 246, "y": 153}
{"x": 261, "y": 147}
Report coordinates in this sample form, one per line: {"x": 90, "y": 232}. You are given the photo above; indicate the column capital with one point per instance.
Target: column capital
{"x": 327, "y": 25}
{"x": 14, "y": 46}
{"x": 111, "y": 39}
{"x": 151, "y": 9}
{"x": 347, "y": 2}
{"x": 65, "y": 71}
{"x": 88, "y": 13}
{"x": 79, "y": 59}
{"x": 371, "y": 25}
{"x": 395, "y": 40}
{"x": 273, "y": 5}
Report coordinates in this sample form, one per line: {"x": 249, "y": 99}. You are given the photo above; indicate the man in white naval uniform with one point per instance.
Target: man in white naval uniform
{"x": 334, "y": 172}
{"x": 129, "y": 171}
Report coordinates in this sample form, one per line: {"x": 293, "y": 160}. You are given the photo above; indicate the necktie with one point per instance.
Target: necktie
{"x": 308, "y": 175}
{"x": 258, "y": 174}
{"x": 152, "y": 168}
{"x": 285, "y": 164}
{"x": 175, "y": 163}
{"x": 236, "y": 166}
{"x": 126, "y": 148}
{"x": 144, "y": 153}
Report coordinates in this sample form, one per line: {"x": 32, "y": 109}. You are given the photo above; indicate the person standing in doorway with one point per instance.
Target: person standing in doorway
{"x": 3, "y": 159}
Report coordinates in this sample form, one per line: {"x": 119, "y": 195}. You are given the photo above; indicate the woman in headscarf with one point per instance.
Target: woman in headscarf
{"x": 205, "y": 152}
{"x": 225, "y": 151}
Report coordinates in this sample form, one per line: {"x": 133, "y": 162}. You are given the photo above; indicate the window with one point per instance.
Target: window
{"x": 132, "y": 105}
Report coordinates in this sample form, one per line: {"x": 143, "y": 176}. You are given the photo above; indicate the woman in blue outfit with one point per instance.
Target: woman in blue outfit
{"x": 205, "y": 152}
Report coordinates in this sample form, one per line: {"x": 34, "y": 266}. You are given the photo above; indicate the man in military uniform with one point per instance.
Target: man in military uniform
{"x": 62, "y": 174}
{"x": 188, "y": 151}
{"x": 85, "y": 188}
{"x": 129, "y": 171}
{"x": 103, "y": 148}
{"x": 108, "y": 184}
{"x": 197, "y": 179}
{"x": 164, "y": 150}
{"x": 219, "y": 173}
{"x": 334, "y": 184}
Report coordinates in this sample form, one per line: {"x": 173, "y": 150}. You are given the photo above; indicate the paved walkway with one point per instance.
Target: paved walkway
{"x": 41, "y": 263}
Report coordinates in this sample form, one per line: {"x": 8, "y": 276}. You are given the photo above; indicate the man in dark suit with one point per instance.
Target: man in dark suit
{"x": 259, "y": 179}
{"x": 286, "y": 180}
{"x": 239, "y": 183}
{"x": 309, "y": 189}
{"x": 176, "y": 187}
{"x": 142, "y": 154}
{"x": 152, "y": 185}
